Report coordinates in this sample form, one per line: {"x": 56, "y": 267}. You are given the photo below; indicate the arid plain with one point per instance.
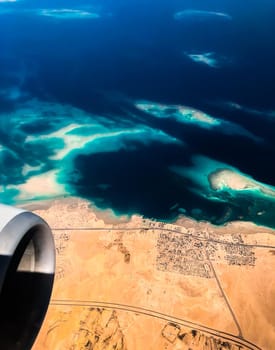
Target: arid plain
{"x": 134, "y": 283}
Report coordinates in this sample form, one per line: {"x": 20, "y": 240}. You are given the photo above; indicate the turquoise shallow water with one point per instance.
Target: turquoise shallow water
{"x": 120, "y": 104}
{"x": 130, "y": 167}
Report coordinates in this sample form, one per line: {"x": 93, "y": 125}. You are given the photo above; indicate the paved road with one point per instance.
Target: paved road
{"x": 160, "y": 315}
{"x": 161, "y": 229}
{"x": 168, "y": 318}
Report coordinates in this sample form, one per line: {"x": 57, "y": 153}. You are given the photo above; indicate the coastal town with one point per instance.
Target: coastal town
{"x": 134, "y": 281}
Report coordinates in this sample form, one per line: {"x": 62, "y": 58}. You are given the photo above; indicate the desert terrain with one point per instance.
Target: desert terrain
{"x": 134, "y": 283}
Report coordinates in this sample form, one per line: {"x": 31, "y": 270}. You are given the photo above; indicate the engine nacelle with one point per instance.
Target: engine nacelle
{"x": 27, "y": 266}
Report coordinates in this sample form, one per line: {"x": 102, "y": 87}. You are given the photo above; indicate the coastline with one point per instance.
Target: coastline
{"x": 108, "y": 217}
{"x": 187, "y": 269}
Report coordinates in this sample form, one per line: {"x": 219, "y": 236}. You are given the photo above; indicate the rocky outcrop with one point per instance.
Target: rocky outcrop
{"x": 99, "y": 329}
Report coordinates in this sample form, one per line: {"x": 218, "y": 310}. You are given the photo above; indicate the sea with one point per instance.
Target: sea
{"x": 157, "y": 108}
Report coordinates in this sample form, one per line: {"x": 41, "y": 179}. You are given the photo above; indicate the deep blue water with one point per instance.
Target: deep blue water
{"x": 138, "y": 51}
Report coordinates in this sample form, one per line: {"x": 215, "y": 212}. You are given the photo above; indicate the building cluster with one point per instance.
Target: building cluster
{"x": 237, "y": 254}
{"x": 181, "y": 254}
{"x": 189, "y": 255}
{"x": 232, "y": 252}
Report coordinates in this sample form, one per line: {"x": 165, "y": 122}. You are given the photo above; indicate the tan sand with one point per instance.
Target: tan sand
{"x": 142, "y": 284}
{"x": 230, "y": 179}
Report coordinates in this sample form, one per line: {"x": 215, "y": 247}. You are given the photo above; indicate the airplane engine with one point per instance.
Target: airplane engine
{"x": 27, "y": 265}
